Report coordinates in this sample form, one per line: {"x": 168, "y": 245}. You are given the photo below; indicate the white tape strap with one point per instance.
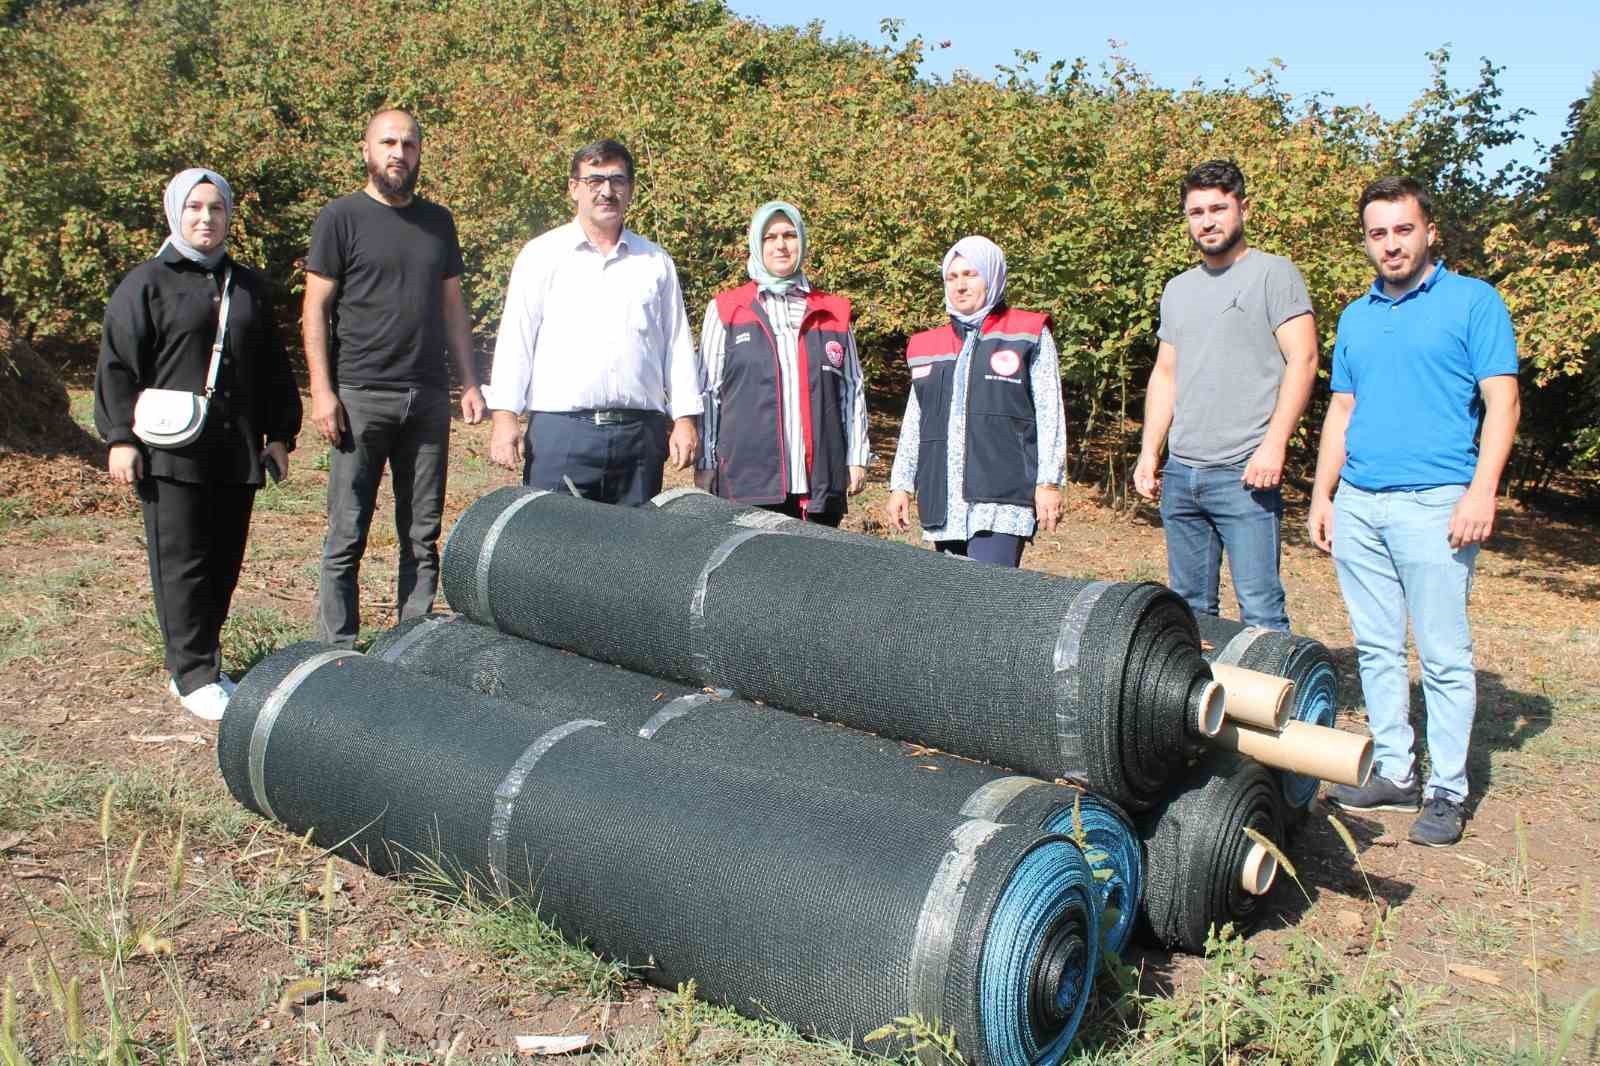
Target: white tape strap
{"x": 675, "y": 709}
{"x": 662, "y": 499}
{"x": 697, "y": 598}
{"x": 510, "y": 788}
{"x": 1069, "y": 680}
{"x": 991, "y": 799}
{"x": 1239, "y": 644}
{"x": 396, "y": 652}
{"x": 273, "y": 706}
{"x": 936, "y": 923}
{"x": 486, "y": 552}
{"x": 770, "y": 520}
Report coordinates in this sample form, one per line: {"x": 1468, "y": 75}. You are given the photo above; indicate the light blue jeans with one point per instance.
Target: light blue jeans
{"x": 1205, "y": 510}
{"x": 1393, "y": 556}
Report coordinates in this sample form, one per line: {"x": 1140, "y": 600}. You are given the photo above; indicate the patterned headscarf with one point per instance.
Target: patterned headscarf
{"x": 990, "y": 262}
{"x": 178, "y": 190}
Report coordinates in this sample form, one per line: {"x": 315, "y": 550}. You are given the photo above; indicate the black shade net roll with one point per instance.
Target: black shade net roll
{"x": 1096, "y": 681}
{"x": 832, "y": 911}
{"x": 1306, "y": 662}
{"x": 801, "y": 749}
{"x": 1197, "y": 854}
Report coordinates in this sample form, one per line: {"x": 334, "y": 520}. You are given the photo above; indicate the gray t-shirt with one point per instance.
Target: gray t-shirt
{"x": 1229, "y": 367}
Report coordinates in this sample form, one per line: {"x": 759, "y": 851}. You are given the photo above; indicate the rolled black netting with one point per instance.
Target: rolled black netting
{"x": 804, "y": 750}
{"x": 1201, "y": 869}
{"x": 1092, "y": 680}
{"x": 1306, "y": 662}
{"x": 833, "y": 911}
{"x": 697, "y": 504}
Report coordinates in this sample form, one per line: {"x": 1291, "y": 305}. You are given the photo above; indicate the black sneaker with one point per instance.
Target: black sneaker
{"x": 1378, "y": 794}
{"x": 1440, "y": 823}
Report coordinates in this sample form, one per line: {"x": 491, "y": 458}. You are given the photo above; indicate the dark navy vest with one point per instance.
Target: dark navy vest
{"x": 752, "y": 466}
{"x": 1002, "y": 437}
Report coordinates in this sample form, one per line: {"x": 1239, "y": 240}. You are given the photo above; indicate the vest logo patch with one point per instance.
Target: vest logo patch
{"x": 1005, "y": 362}
{"x": 921, "y": 371}
{"x": 835, "y": 353}
{"x": 742, "y": 338}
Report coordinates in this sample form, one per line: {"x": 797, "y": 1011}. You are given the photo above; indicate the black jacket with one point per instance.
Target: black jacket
{"x": 159, "y": 328}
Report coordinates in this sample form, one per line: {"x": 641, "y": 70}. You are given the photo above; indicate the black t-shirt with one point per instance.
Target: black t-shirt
{"x": 388, "y": 263}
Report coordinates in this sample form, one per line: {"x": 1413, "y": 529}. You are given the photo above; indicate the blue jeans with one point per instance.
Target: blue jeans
{"x": 1394, "y": 560}
{"x": 1205, "y": 510}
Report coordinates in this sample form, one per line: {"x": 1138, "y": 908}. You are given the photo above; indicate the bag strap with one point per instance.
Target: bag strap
{"x": 222, "y": 331}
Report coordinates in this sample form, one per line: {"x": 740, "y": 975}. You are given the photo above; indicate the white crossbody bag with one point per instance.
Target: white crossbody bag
{"x": 171, "y": 418}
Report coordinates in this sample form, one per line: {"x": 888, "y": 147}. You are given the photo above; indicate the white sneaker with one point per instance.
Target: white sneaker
{"x": 207, "y": 702}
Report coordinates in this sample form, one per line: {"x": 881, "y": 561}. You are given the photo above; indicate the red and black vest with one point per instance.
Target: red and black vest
{"x": 752, "y": 463}
{"x": 1002, "y": 438}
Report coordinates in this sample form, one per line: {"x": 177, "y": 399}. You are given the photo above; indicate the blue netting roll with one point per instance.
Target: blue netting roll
{"x": 803, "y": 749}
{"x": 830, "y": 910}
{"x": 1306, "y": 662}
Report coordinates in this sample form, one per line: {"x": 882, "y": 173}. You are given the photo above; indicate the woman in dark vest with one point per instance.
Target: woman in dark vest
{"x": 984, "y": 438}
{"x": 160, "y": 329}
{"x": 785, "y": 426}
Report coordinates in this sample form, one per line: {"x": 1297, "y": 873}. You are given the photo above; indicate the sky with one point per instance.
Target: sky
{"x": 1361, "y": 52}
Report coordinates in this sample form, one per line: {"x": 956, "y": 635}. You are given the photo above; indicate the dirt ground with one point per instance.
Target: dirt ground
{"x": 1503, "y": 926}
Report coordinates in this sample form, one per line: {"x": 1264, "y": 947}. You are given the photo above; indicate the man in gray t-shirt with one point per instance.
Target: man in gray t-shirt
{"x": 1234, "y": 369}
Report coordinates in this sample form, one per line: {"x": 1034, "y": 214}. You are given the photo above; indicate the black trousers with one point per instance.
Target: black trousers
{"x": 195, "y": 536}
{"x": 615, "y": 463}
{"x": 791, "y": 507}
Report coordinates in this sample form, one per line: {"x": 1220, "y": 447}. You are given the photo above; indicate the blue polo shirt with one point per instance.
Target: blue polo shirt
{"x": 1414, "y": 365}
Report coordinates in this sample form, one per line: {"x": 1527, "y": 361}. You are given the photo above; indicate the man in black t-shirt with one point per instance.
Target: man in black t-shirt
{"x": 383, "y": 302}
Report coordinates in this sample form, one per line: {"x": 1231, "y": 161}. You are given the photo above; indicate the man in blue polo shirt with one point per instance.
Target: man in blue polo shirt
{"x": 1423, "y": 413}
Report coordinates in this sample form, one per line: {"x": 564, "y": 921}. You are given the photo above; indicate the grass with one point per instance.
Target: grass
{"x": 37, "y": 607}
{"x": 249, "y": 635}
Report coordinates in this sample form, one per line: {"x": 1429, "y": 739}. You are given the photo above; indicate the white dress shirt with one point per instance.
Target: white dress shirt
{"x": 785, "y": 312}
{"x": 583, "y": 330}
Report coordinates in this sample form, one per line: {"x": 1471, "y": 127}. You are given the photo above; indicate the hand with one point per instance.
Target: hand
{"x": 280, "y": 455}
{"x": 1319, "y": 522}
{"x": 858, "y": 480}
{"x": 705, "y": 480}
{"x": 327, "y": 414}
{"x": 1147, "y": 477}
{"x": 1047, "y": 506}
{"x": 505, "y": 440}
{"x": 125, "y": 464}
{"x": 472, "y": 406}
{"x": 1265, "y": 469}
{"x": 683, "y": 443}
{"x": 897, "y": 512}
{"x": 1473, "y": 519}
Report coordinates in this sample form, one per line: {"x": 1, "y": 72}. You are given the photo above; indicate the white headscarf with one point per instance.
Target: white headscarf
{"x": 990, "y": 263}
{"x": 178, "y": 190}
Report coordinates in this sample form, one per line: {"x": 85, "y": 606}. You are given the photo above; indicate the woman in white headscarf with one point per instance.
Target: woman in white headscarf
{"x": 786, "y": 416}
{"x": 984, "y": 439}
{"x": 162, "y": 331}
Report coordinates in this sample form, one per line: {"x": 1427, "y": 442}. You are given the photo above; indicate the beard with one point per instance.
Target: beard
{"x": 390, "y": 187}
{"x": 1228, "y": 245}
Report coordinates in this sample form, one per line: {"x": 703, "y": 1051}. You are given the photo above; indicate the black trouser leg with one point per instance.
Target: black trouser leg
{"x": 195, "y": 537}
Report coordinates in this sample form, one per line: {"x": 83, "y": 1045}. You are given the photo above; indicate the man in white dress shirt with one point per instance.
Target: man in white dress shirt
{"x": 595, "y": 345}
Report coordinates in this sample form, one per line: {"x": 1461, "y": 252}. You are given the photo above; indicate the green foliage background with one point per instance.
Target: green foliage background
{"x": 1072, "y": 170}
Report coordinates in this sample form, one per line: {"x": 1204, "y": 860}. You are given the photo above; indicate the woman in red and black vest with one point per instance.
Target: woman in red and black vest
{"x": 785, "y": 423}
{"x": 984, "y": 439}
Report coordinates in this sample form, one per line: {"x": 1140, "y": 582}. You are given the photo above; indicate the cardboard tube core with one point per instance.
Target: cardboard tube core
{"x": 1331, "y": 754}
{"x": 1207, "y": 703}
{"x": 1255, "y": 698}
{"x": 1259, "y": 870}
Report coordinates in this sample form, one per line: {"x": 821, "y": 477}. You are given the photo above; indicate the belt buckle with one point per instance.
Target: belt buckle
{"x": 604, "y": 417}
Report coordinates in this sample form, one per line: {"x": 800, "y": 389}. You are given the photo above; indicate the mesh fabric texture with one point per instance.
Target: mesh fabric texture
{"x": 1195, "y": 848}
{"x": 965, "y": 658}
{"x": 777, "y": 898}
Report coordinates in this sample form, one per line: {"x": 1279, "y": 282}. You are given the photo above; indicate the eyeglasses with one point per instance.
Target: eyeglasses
{"x": 596, "y": 182}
